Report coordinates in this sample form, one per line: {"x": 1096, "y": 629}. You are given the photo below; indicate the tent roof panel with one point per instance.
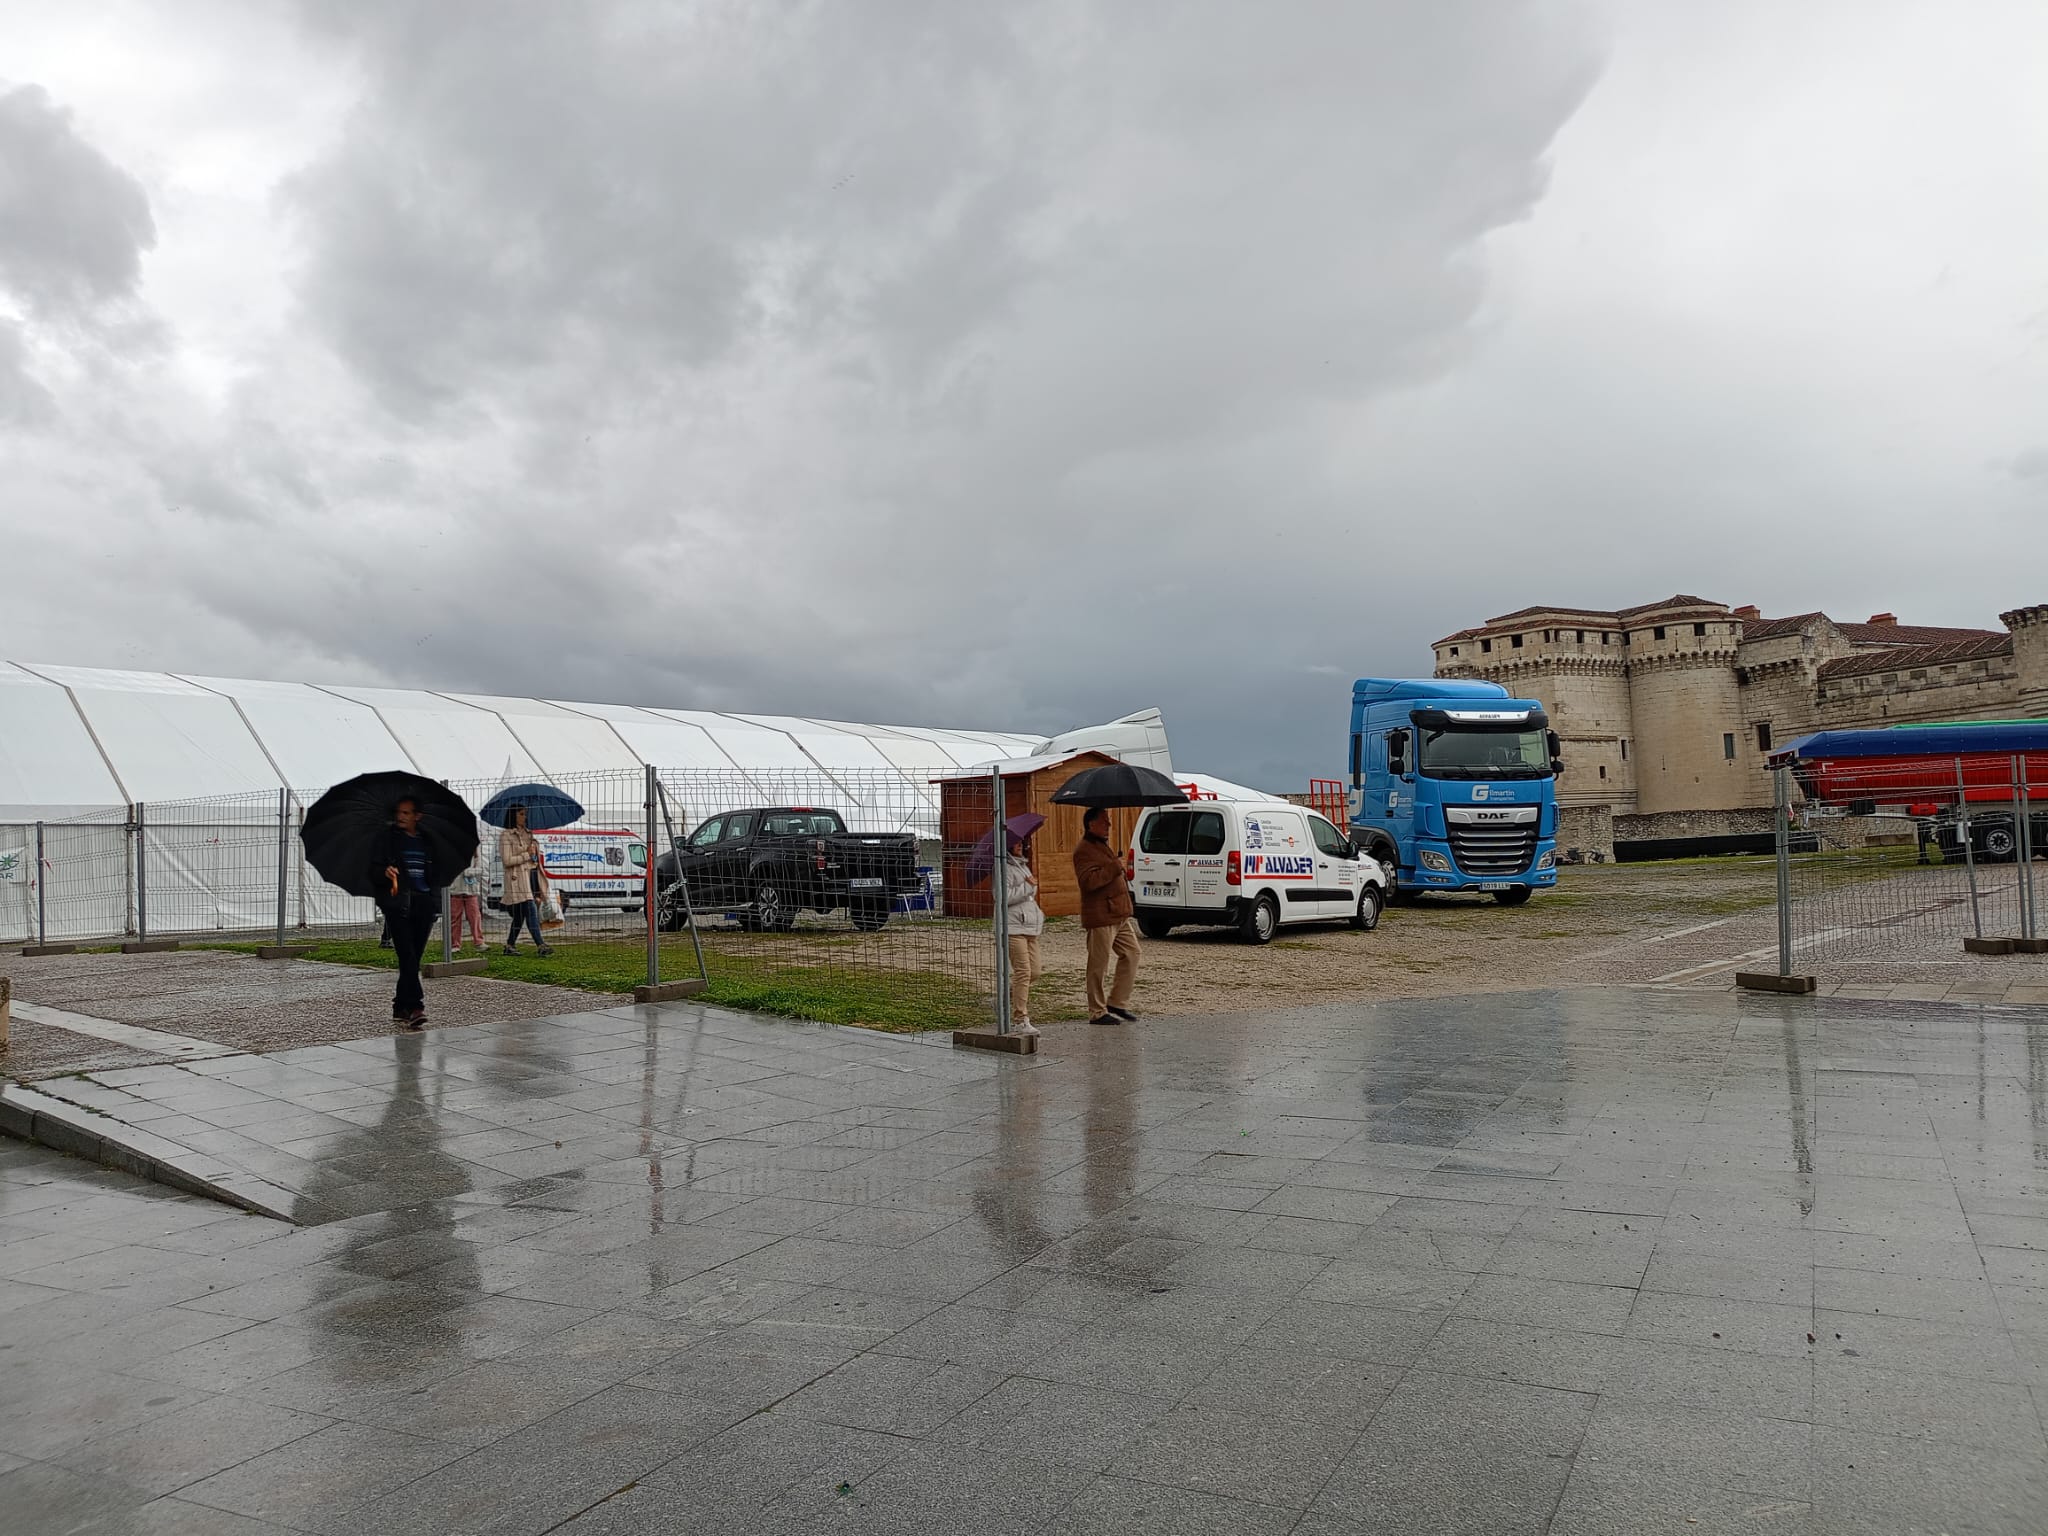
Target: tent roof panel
{"x": 49, "y": 767}
{"x": 316, "y": 738}
{"x": 446, "y": 739}
{"x": 167, "y": 739}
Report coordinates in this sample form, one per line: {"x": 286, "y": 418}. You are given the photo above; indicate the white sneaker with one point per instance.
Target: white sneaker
{"x": 1023, "y": 1027}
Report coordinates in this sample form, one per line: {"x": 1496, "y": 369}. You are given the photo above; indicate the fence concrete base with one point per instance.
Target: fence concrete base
{"x": 283, "y": 951}
{"x": 29, "y": 951}
{"x": 2030, "y": 946}
{"x": 669, "y": 991}
{"x": 148, "y": 946}
{"x": 469, "y": 967}
{"x": 1988, "y": 946}
{"x": 987, "y": 1039}
{"x": 1771, "y": 981}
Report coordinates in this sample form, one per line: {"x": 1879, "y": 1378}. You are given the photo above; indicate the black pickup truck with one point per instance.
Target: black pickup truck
{"x": 770, "y": 864}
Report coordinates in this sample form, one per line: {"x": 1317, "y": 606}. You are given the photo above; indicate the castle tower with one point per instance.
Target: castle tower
{"x": 1687, "y": 708}
{"x": 2029, "y": 629}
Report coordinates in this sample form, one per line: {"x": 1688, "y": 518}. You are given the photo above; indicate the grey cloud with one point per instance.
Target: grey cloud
{"x": 73, "y": 225}
{"x": 22, "y": 400}
{"x": 2030, "y": 465}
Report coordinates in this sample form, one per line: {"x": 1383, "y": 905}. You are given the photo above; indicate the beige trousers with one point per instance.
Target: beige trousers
{"x": 1024, "y": 969}
{"x": 1121, "y": 943}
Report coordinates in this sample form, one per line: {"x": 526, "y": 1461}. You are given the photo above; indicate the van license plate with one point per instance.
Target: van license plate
{"x": 865, "y": 884}
{"x": 1161, "y": 891}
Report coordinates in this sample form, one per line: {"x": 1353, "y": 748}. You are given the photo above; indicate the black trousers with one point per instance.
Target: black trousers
{"x": 410, "y": 926}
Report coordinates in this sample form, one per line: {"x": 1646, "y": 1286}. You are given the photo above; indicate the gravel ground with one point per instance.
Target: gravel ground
{"x": 1626, "y": 924}
{"x": 36, "y": 1050}
{"x": 258, "y": 1005}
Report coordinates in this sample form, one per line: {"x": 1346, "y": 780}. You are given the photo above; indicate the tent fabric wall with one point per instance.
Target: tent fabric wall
{"x": 315, "y": 737}
{"x": 445, "y": 739}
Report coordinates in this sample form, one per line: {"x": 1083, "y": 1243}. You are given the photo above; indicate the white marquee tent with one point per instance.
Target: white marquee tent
{"x": 81, "y": 746}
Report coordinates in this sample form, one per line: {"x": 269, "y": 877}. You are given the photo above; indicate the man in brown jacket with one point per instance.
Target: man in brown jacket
{"x": 1106, "y": 913}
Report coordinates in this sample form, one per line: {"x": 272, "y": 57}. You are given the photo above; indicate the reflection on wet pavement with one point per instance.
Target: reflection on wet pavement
{"x": 1601, "y": 1261}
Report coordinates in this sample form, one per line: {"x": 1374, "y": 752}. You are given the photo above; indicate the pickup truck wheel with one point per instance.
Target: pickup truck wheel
{"x": 1367, "y": 917}
{"x": 868, "y": 916}
{"x": 1512, "y": 898}
{"x": 668, "y": 910}
{"x": 1260, "y": 922}
{"x": 773, "y": 911}
{"x": 1155, "y": 927}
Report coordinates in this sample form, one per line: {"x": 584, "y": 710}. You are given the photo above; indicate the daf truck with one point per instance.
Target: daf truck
{"x": 1454, "y": 786}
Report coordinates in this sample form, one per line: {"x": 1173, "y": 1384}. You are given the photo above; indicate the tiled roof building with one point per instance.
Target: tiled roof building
{"x": 1669, "y": 710}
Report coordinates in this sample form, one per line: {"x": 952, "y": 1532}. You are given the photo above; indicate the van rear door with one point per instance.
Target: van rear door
{"x": 1208, "y": 858}
{"x": 1159, "y": 859}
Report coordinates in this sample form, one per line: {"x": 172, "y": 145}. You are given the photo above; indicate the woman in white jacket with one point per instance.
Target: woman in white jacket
{"x": 1026, "y": 923}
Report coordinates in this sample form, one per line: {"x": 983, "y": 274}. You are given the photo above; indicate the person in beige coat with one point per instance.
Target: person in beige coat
{"x": 1106, "y": 911}
{"x": 1026, "y": 921}
{"x": 519, "y": 855}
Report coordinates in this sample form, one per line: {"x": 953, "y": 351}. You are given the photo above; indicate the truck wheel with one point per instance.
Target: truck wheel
{"x": 1367, "y": 917}
{"x": 773, "y": 910}
{"x": 1514, "y": 898}
{"x": 1999, "y": 845}
{"x": 1155, "y": 927}
{"x": 1260, "y": 922}
{"x": 868, "y": 916}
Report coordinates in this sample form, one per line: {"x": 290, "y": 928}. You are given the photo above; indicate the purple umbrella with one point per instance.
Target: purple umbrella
{"x": 982, "y": 861}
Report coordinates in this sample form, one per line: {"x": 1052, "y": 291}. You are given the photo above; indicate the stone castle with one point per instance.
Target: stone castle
{"x": 1668, "y": 712}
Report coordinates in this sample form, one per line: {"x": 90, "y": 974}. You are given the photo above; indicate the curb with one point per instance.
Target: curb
{"x": 669, "y": 991}
{"x": 34, "y": 1116}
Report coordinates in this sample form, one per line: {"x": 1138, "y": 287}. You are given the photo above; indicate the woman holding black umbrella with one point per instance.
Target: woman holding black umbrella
{"x": 405, "y": 870}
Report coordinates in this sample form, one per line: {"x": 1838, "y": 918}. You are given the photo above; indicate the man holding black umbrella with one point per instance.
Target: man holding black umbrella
{"x": 1106, "y": 912}
{"x": 406, "y": 872}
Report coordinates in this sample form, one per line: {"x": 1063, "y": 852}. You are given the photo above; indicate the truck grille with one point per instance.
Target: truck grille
{"x": 1496, "y": 850}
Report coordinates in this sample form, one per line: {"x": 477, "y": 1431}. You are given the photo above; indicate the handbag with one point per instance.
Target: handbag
{"x": 550, "y": 907}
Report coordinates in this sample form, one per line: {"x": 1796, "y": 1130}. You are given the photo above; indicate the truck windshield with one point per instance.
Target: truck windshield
{"x": 1484, "y": 755}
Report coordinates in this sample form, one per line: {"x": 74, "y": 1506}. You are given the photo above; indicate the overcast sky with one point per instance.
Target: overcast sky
{"x": 1004, "y": 365}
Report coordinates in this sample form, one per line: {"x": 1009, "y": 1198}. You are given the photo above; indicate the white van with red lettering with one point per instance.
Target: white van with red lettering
{"x": 1252, "y": 865}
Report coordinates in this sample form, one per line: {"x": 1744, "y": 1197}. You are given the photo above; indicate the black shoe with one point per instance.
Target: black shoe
{"x": 1123, "y": 1013}
{"x": 511, "y": 949}
{"x": 417, "y": 1019}
{"x": 1107, "y": 1018}
{"x": 544, "y": 951}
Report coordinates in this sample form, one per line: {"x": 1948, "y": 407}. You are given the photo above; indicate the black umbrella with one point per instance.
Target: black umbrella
{"x": 1117, "y": 784}
{"x": 344, "y": 824}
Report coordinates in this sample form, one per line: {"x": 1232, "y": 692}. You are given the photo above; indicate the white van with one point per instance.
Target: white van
{"x": 1249, "y": 864}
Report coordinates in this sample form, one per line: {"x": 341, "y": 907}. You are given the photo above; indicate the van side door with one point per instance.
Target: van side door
{"x": 1336, "y": 870}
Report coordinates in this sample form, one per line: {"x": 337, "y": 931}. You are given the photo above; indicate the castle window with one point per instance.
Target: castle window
{"x": 1659, "y": 632}
{"x": 1763, "y": 735}
{"x": 1699, "y": 629}
{"x": 1516, "y": 642}
{"x": 1485, "y": 646}
{"x": 1454, "y": 650}
{"x": 1582, "y": 637}
{"x": 1624, "y": 749}
{"x": 1728, "y": 745}
{"x": 1603, "y": 770}
{"x": 1604, "y": 637}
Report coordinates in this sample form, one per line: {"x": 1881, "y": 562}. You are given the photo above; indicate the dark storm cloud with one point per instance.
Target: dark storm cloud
{"x": 786, "y": 328}
{"x": 73, "y": 225}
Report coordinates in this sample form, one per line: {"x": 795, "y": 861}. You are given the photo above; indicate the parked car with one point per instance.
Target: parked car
{"x": 770, "y": 864}
{"x": 1255, "y": 865}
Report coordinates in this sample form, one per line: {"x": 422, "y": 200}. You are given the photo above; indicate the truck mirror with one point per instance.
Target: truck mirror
{"x": 1397, "y": 753}
{"x": 1556, "y": 748}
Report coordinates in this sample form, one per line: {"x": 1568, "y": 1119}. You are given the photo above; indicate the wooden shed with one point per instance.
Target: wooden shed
{"x": 1028, "y": 785}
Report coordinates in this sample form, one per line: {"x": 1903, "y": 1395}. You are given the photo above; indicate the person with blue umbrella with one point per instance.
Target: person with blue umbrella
{"x": 521, "y": 811}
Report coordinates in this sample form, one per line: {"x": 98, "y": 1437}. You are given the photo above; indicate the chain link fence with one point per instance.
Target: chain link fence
{"x": 824, "y": 893}
{"x": 1891, "y": 864}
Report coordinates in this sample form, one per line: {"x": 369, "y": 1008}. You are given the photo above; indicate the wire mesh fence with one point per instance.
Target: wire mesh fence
{"x": 1892, "y": 863}
{"x": 825, "y": 893}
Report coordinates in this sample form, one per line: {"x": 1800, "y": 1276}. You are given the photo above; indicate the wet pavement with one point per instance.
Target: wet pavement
{"x": 1608, "y": 1261}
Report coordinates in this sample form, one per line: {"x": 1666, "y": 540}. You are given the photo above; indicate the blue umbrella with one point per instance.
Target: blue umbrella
{"x": 546, "y": 806}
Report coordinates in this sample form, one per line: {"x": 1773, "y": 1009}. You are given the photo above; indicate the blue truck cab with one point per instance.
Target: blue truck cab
{"x": 1454, "y": 786}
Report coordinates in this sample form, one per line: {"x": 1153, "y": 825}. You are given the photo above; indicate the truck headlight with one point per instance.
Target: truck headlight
{"x": 1549, "y": 860}
{"x": 1429, "y": 858}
